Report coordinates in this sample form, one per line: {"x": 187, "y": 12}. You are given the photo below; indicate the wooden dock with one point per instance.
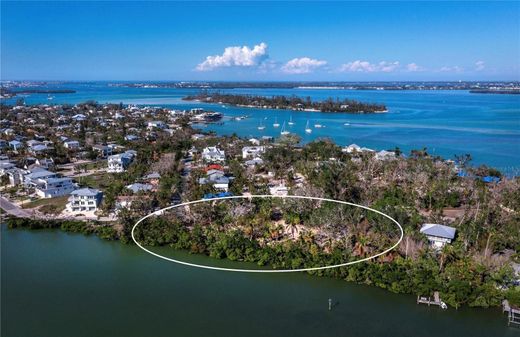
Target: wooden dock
{"x": 429, "y": 301}
{"x": 513, "y": 314}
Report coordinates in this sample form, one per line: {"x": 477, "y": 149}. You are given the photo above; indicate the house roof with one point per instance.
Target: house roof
{"x": 136, "y": 187}
{"x": 89, "y": 192}
{"x": 438, "y": 230}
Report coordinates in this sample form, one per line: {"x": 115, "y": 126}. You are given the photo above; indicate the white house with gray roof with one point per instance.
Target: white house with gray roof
{"x": 438, "y": 235}
{"x": 84, "y": 200}
{"x": 54, "y": 187}
{"x": 119, "y": 162}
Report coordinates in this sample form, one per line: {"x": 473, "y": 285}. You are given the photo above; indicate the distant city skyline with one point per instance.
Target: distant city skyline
{"x": 249, "y": 41}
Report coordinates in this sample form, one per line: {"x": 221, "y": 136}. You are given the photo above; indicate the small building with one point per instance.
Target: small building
{"x": 354, "y": 148}
{"x": 279, "y": 190}
{"x": 438, "y": 235}
{"x": 84, "y": 200}
{"x": 138, "y": 187}
{"x": 254, "y": 162}
{"x": 16, "y": 145}
{"x": 385, "y": 155}
{"x": 213, "y": 154}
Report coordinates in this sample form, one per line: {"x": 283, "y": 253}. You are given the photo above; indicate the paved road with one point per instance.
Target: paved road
{"x": 13, "y": 209}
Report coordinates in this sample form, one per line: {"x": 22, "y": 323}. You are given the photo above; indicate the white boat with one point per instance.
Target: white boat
{"x": 290, "y": 121}
{"x": 317, "y": 125}
{"x": 284, "y": 132}
{"x": 261, "y": 126}
{"x": 307, "y": 128}
{"x": 347, "y": 124}
{"x": 276, "y": 124}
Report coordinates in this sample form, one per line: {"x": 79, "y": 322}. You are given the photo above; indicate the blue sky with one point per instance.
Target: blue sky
{"x": 260, "y": 41}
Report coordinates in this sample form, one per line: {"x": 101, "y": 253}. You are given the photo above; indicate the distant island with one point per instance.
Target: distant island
{"x": 496, "y": 91}
{"x": 289, "y": 103}
{"x": 8, "y": 93}
{"x": 330, "y": 85}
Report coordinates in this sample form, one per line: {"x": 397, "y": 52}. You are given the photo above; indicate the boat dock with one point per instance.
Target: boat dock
{"x": 513, "y": 314}
{"x": 429, "y": 301}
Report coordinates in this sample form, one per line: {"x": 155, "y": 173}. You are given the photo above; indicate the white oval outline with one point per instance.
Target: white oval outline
{"x": 159, "y": 212}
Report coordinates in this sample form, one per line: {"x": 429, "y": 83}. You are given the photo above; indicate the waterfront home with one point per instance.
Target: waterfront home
{"x": 354, "y": 148}
{"x": 279, "y": 190}
{"x": 119, "y": 162}
{"x": 213, "y": 154}
{"x": 252, "y": 151}
{"x": 438, "y": 235}
{"x": 54, "y": 187}
{"x": 16, "y": 145}
{"x": 71, "y": 144}
{"x": 84, "y": 200}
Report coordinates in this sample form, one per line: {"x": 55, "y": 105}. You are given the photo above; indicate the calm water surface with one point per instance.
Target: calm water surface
{"x": 446, "y": 122}
{"x": 57, "y": 284}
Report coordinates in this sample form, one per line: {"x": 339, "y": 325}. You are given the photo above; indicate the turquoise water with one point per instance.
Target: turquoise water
{"x": 446, "y": 122}
{"x": 56, "y": 284}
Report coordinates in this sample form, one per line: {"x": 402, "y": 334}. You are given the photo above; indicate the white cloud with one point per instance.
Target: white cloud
{"x": 236, "y": 57}
{"x": 480, "y": 65}
{"x": 413, "y": 67}
{"x": 367, "y": 67}
{"x": 302, "y": 65}
{"x": 454, "y": 69}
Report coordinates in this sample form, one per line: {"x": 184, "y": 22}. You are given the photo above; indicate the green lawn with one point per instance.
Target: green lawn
{"x": 98, "y": 180}
{"x": 57, "y": 203}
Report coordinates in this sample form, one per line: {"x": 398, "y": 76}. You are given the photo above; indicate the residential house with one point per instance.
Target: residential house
{"x": 156, "y": 125}
{"x": 438, "y": 235}
{"x": 217, "y": 179}
{"x": 54, "y": 187}
{"x": 252, "y": 151}
{"x": 385, "y": 155}
{"x": 138, "y": 187}
{"x": 213, "y": 154}
{"x": 103, "y": 150}
{"x": 84, "y": 200}
{"x": 16, "y": 145}
{"x": 119, "y": 162}
{"x": 71, "y": 144}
